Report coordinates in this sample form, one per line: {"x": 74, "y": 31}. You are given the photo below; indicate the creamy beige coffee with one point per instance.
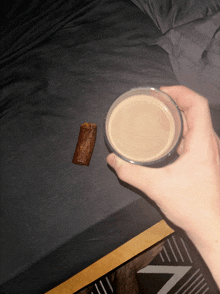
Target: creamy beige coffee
{"x": 141, "y": 128}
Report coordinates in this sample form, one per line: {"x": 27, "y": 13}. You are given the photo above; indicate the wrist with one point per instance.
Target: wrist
{"x": 207, "y": 241}
{"x": 206, "y": 237}
{"x": 207, "y": 230}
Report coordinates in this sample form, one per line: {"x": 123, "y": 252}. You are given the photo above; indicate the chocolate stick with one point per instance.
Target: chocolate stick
{"x": 85, "y": 144}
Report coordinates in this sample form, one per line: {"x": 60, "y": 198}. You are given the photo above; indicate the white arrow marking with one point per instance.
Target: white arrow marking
{"x": 177, "y": 271}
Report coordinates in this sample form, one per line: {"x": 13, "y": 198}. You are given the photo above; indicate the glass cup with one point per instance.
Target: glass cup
{"x": 144, "y": 126}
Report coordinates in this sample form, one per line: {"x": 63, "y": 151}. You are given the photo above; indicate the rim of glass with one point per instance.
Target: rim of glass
{"x": 156, "y": 161}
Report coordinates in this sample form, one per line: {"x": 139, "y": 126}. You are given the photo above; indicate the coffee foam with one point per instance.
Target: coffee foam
{"x": 141, "y": 128}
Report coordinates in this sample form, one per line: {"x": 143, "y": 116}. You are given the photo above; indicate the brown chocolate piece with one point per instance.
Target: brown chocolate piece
{"x": 85, "y": 144}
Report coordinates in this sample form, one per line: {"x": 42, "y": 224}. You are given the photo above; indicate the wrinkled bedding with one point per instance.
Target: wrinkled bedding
{"x": 63, "y": 63}
{"x": 168, "y": 14}
{"x": 191, "y": 37}
{"x": 65, "y": 67}
{"x": 194, "y": 51}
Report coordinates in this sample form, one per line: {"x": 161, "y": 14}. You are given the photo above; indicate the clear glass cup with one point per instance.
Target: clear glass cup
{"x": 144, "y": 126}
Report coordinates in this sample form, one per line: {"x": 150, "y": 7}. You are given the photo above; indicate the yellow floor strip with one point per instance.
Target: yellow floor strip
{"x": 114, "y": 259}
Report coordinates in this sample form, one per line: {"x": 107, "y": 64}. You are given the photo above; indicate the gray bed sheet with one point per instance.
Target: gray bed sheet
{"x": 191, "y": 36}
{"x": 55, "y": 214}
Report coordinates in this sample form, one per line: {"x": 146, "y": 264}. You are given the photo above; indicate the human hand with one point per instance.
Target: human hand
{"x": 188, "y": 190}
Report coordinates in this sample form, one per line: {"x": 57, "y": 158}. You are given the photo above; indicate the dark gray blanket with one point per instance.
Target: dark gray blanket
{"x": 66, "y": 66}
{"x": 191, "y": 36}
{"x": 63, "y": 63}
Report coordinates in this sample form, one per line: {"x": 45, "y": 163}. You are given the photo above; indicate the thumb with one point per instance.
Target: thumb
{"x": 141, "y": 177}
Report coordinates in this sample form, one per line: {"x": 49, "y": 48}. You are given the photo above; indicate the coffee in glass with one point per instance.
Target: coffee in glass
{"x": 143, "y": 126}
